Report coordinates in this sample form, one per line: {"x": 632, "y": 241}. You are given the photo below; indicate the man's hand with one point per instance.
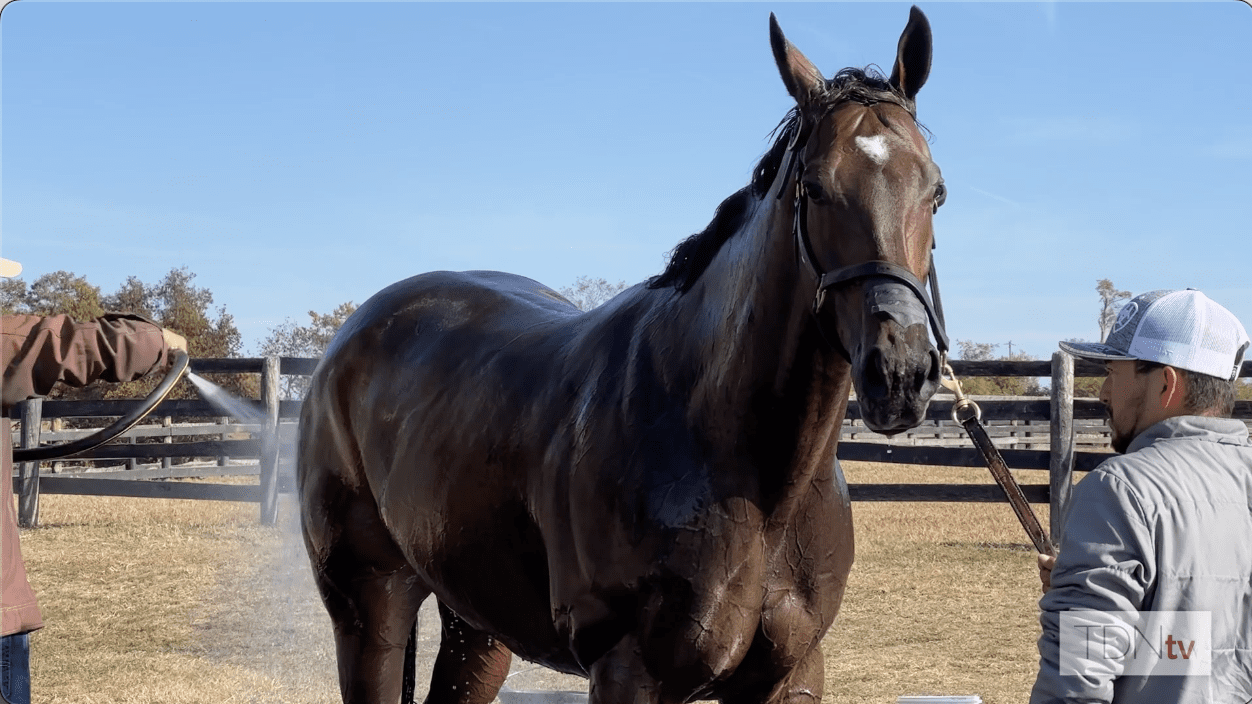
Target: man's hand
{"x": 174, "y": 341}
{"x": 1046, "y": 563}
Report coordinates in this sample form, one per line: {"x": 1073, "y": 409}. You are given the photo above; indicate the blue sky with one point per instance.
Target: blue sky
{"x": 299, "y": 155}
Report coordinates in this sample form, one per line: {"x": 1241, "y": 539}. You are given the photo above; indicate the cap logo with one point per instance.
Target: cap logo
{"x": 1126, "y": 314}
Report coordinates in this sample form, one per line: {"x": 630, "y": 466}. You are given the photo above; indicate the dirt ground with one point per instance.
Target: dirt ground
{"x": 178, "y": 601}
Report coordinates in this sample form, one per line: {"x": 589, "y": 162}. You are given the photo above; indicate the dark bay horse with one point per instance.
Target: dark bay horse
{"x": 645, "y": 494}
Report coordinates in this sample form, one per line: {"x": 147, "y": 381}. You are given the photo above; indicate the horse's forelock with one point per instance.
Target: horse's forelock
{"x": 866, "y": 86}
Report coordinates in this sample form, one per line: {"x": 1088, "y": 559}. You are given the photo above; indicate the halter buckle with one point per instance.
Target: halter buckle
{"x": 819, "y": 300}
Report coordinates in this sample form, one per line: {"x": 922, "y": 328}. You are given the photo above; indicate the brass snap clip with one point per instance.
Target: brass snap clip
{"x": 964, "y": 409}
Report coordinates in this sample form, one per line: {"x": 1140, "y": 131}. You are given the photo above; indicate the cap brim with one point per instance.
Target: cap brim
{"x": 9, "y": 268}
{"x": 1094, "y": 350}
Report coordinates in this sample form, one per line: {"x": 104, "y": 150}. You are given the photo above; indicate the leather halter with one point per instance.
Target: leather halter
{"x": 827, "y": 280}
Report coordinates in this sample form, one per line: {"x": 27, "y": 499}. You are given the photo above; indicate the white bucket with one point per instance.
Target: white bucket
{"x": 517, "y": 691}
{"x": 526, "y": 696}
{"x": 959, "y": 699}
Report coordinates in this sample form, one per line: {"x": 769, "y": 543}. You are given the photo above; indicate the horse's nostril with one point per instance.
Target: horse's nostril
{"x": 927, "y": 375}
{"x": 935, "y": 371}
{"x": 875, "y": 375}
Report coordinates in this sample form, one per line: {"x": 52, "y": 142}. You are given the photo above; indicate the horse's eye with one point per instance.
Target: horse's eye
{"x": 941, "y": 195}
{"x": 813, "y": 189}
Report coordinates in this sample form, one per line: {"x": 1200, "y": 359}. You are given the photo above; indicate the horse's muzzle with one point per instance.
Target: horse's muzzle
{"x": 898, "y": 371}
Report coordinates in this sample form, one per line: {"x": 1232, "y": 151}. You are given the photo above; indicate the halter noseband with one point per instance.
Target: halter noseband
{"x": 827, "y": 280}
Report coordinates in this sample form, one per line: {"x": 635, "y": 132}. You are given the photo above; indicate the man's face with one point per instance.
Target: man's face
{"x": 1125, "y": 397}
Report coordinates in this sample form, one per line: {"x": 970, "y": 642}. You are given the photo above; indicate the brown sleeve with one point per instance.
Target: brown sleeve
{"x": 39, "y": 352}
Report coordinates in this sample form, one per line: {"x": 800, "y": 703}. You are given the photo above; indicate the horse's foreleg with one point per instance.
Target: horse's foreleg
{"x": 471, "y": 665}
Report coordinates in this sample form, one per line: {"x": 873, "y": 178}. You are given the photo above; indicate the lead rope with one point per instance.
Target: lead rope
{"x": 967, "y": 413}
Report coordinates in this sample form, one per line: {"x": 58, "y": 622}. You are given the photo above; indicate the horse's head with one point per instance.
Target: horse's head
{"x": 865, "y": 189}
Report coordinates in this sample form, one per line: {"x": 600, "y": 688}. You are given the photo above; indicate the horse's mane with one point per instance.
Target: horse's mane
{"x": 692, "y": 256}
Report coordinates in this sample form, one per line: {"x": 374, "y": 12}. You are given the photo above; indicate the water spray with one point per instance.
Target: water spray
{"x": 224, "y": 401}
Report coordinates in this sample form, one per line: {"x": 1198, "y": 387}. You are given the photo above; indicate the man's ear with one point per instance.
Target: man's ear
{"x": 1174, "y": 391}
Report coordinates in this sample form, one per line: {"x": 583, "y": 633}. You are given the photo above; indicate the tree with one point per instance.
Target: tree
{"x": 183, "y": 307}
{"x": 12, "y": 296}
{"x": 1243, "y": 390}
{"x": 996, "y": 385}
{"x": 56, "y": 293}
{"x": 975, "y": 351}
{"x": 588, "y": 293}
{"x": 290, "y": 340}
{"x": 1111, "y": 301}
{"x": 132, "y": 297}
{"x": 175, "y": 302}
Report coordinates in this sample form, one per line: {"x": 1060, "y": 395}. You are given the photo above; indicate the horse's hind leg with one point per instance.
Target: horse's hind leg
{"x": 471, "y": 665}
{"x": 370, "y": 591}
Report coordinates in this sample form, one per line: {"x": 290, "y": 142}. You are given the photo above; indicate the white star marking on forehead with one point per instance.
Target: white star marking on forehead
{"x": 875, "y": 147}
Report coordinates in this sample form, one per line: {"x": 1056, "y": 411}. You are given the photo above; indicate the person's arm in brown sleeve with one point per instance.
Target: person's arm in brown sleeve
{"x": 39, "y": 352}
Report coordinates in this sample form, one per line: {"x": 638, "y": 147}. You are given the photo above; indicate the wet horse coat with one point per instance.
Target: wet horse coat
{"x": 647, "y": 493}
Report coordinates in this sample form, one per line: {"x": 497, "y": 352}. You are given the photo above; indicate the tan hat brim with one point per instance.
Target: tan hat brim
{"x": 9, "y": 268}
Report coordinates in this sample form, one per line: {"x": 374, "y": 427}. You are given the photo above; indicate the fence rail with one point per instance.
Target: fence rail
{"x": 1056, "y": 433}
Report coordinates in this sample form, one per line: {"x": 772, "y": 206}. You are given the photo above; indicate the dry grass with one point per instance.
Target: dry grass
{"x": 181, "y": 601}
{"x": 172, "y": 601}
{"x": 942, "y": 599}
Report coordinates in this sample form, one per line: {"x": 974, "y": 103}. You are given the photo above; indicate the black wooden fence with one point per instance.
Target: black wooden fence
{"x": 270, "y": 445}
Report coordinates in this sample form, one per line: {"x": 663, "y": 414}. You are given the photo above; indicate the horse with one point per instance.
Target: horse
{"x": 645, "y": 494}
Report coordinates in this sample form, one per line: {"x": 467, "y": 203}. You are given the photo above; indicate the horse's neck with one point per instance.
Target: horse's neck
{"x": 759, "y": 365}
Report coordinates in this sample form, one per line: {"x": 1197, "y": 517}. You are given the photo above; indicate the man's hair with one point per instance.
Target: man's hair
{"x": 1206, "y": 395}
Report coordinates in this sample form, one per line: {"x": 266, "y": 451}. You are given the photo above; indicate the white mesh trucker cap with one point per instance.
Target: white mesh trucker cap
{"x": 1184, "y": 329}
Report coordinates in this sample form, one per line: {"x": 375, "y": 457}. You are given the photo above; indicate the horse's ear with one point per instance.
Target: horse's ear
{"x": 801, "y": 77}
{"x": 912, "y": 55}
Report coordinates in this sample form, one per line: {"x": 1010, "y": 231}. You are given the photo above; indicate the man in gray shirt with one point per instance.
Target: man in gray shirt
{"x": 1150, "y": 597}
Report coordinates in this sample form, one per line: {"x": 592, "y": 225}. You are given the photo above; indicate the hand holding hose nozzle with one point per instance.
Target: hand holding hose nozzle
{"x": 174, "y": 342}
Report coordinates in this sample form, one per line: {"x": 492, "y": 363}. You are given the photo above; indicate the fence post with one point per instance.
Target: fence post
{"x": 28, "y": 486}
{"x": 223, "y": 460}
{"x": 57, "y": 425}
{"x": 1061, "y": 467}
{"x": 167, "y": 422}
{"x": 270, "y": 378}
